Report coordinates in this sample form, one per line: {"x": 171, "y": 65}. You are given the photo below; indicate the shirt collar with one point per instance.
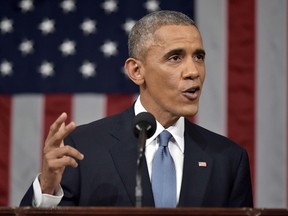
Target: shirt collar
{"x": 177, "y": 130}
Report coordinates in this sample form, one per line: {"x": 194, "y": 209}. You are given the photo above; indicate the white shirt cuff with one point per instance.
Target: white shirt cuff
{"x": 45, "y": 200}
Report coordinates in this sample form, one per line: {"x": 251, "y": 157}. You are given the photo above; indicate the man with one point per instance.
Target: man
{"x": 167, "y": 63}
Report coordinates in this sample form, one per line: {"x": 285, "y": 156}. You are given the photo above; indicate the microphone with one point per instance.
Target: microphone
{"x": 144, "y": 127}
{"x": 144, "y": 121}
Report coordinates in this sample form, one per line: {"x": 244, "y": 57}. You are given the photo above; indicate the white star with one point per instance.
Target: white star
{"x": 87, "y": 69}
{"x": 67, "y": 47}
{"x": 26, "y": 47}
{"x": 152, "y": 5}
{"x": 46, "y": 69}
{"x": 47, "y": 26}
{"x": 26, "y": 5}
{"x": 5, "y": 68}
{"x": 110, "y": 6}
{"x": 68, "y": 6}
{"x": 88, "y": 26}
{"x": 127, "y": 26}
{"x": 6, "y": 25}
{"x": 109, "y": 48}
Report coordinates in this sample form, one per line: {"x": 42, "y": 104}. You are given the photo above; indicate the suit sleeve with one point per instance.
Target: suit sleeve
{"x": 241, "y": 194}
{"x": 28, "y": 197}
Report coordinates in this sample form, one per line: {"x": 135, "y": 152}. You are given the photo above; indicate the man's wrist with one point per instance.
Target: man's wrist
{"x": 41, "y": 199}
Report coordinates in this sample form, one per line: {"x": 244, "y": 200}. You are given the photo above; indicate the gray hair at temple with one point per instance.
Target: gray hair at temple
{"x": 141, "y": 35}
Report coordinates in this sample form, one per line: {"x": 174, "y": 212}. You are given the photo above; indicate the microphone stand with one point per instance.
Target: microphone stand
{"x": 141, "y": 150}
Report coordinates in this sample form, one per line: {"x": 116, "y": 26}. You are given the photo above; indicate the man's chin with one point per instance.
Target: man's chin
{"x": 190, "y": 112}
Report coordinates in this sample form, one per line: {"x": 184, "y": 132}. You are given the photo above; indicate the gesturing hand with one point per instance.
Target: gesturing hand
{"x": 56, "y": 156}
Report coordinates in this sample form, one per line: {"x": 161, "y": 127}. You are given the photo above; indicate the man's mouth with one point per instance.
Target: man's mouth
{"x": 192, "y": 93}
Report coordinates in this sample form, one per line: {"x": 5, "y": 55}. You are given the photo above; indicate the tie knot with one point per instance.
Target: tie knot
{"x": 164, "y": 138}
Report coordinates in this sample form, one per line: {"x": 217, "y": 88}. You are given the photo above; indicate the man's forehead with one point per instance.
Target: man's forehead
{"x": 174, "y": 34}
{"x": 174, "y": 26}
{"x": 169, "y": 35}
{"x": 176, "y": 31}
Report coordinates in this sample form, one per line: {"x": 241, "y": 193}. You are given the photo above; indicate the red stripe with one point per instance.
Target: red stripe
{"x": 241, "y": 74}
{"x": 116, "y": 103}
{"x": 5, "y": 134}
{"x": 55, "y": 104}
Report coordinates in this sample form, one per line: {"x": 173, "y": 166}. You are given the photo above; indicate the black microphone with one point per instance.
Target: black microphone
{"x": 144, "y": 121}
{"x": 144, "y": 127}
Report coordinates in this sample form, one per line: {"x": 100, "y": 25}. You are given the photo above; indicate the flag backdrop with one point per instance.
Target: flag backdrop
{"x": 68, "y": 56}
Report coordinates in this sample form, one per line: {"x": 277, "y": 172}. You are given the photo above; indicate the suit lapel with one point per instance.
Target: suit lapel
{"x": 196, "y": 170}
{"x": 124, "y": 155}
{"x": 195, "y": 176}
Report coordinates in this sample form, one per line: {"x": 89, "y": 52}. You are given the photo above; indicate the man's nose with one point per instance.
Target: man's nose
{"x": 191, "y": 70}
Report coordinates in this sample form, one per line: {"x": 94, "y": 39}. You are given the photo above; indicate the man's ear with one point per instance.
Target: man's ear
{"x": 134, "y": 70}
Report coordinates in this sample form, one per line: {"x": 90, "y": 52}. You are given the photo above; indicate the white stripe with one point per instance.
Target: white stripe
{"x": 26, "y": 144}
{"x": 211, "y": 18}
{"x": 88, "y": 107}
{"x": 271, "y": 149}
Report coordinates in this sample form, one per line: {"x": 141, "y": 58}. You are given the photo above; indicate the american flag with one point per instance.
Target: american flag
{"x": 68, "y": 55}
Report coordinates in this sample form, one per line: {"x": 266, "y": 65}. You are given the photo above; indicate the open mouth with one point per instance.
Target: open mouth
{"x": 194, "y": 89}
{"x": 192, "y": 93}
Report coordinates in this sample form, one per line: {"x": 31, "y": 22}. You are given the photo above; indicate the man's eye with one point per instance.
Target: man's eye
{"x": 199, "y": 57}
{"x": 175, "y": 58}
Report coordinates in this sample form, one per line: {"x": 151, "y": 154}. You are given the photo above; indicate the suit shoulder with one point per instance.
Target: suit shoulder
{"x": 214, "y": 140}
{"x": 109, "y": 120}
{"x": 103, "y": 125}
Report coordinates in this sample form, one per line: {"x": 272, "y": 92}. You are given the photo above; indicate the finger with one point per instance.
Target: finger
{"x": 57, "y": 124}
{"x": 57, "y": 138}
{"x": 59, "y": 163}
{"x": 69, "y": 128}
{"x": 64, "y": 151}
{"x": 63, "y": 131}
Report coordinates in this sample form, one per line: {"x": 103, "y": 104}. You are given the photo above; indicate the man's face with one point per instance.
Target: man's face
{"x": 174, "y": 72}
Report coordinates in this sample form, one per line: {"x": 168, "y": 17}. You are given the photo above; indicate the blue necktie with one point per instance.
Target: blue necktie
{"x": 163, "y": 174}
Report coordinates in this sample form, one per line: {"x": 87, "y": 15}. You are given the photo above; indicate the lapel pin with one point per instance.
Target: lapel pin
{"x": 202, "y": 164}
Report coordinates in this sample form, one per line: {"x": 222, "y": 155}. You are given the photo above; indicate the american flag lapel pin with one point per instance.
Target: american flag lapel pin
{"x": 202, "y": 164}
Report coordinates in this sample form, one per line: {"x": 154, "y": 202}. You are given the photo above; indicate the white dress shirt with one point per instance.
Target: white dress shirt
{"x": 175, "y": 145}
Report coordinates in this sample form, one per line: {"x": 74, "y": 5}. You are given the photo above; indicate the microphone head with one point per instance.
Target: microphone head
{"x": 144, "y": 121}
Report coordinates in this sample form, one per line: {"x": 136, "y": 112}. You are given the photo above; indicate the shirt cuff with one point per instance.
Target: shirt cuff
{"x": 45, "y": 200}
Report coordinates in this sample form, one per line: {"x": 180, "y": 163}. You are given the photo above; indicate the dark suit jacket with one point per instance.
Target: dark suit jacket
{"x": 106, "y": 176}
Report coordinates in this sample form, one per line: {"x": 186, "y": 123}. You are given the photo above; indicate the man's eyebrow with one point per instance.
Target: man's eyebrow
{"x": 200, "y": 51}
{"x": 176, "y": 51}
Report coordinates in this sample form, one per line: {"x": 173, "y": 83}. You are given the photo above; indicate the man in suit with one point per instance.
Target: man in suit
{"x": 167, "y": 62}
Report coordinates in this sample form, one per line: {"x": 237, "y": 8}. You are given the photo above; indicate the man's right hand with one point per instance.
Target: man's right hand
{"x": 56, "y": 155}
